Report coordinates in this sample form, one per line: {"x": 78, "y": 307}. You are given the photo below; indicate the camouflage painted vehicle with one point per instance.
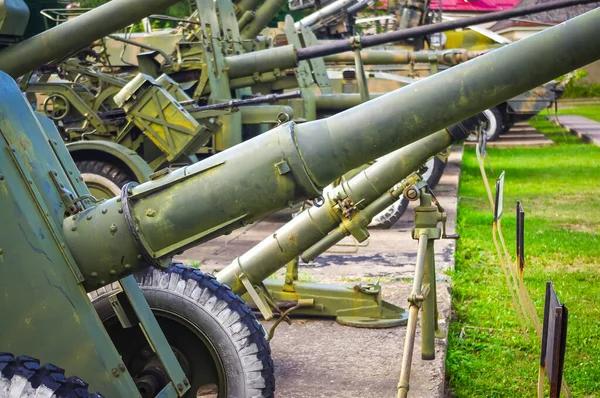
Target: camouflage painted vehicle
{"x": 417, "y": 13}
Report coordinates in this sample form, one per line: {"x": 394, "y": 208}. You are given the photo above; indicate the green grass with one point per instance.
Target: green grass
{"x": 578, "y": 90}
{"x": 589, "y": 111}
{"x": 559, "y": 187}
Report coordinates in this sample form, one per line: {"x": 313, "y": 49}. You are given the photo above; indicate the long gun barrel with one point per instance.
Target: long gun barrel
{"x": 154, "y": 221}
{"x": 319, "y": 228}
{"x": 261, "y": 19}
{"x": 77, "y": 33}
{"x": 324, "y": 12}
{"x": 420, "y": 31}
{"x": 353, "y": 9}
{"x": 263, "y": 99}
{"x": 381, "y": 57}
{"x": 288, "y": 56}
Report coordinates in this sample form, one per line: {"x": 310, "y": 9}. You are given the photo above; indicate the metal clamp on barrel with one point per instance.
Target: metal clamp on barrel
{"x": 145, "y": 250}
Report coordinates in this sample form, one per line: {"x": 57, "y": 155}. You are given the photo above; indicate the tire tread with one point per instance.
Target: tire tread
{"x": 25, "y": 375}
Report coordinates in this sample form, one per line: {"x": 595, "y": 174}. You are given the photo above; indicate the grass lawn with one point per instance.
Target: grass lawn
{"x": 560, "y": 190}
{"x": 589, "y": 111}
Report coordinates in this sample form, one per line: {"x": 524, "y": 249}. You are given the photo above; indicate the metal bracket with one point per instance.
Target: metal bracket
{"x": 154, "y": 334}
{"x": 443, "y": 217}
{"x": 123, "y": 310}
{"x": 444, "y": 234}
{"x": 350, "y": 218}
{"x": 263, "y": 307}
{"x": 355, "y": 43}
{"x": 72, "y": 205}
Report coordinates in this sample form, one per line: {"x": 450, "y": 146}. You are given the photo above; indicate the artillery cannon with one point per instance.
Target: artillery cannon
{"x": 176, "y": 134}
{"x": 67, "y": 244}
{"x": 61, "y": 243}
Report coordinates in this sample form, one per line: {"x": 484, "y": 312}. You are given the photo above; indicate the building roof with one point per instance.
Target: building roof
{"x": 544, "y": 18}
{"x": 474, "y": 5}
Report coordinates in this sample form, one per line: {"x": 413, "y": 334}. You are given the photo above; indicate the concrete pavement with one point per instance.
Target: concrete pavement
{"x": 586, "y": 129}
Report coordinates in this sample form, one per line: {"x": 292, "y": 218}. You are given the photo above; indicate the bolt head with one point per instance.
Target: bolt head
{"x": 411, "y": 193}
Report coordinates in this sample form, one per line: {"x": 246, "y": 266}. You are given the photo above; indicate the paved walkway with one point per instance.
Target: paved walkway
{"x": 586, "y": 129}
{"x": 520, "y": 135}
{"x": 320, "y": 358}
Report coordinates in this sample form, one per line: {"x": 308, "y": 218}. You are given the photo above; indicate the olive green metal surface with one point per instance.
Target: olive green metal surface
{"x": 262, "y": 18}
{"x": 315, "y": 224}
{"x": 292, "y": 162}
{"x": 352, "y": 304}
{"x": 45, "y": 312}
{"x": 76, "y": 34}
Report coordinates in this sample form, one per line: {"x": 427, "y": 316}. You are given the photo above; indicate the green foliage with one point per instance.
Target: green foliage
{"x": 576, "y": 89}
{"x": 487, "y": 353}
{"x": 179, "y": 10}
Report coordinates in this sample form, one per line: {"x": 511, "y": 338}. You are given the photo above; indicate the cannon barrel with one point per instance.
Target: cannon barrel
{"x": 322, "y": 225}
{"x": 245, "y": 6}
{"x": 263, "y": 99}
{"x": 77, "y": 33}
{"x": 288, "y": 56}
{"x": 261, "y": 19}
{"x": 420, "y": 31}
{"x": 152, "y": 222}
{"x": 384, "y": 57}
{"x": 324, "y": 12}
{"x": 354, "y": 8}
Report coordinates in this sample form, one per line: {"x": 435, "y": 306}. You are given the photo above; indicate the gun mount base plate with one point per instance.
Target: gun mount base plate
{"x": 350, "y": 304}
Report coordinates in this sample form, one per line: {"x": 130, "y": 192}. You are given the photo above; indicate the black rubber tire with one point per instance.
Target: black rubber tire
{"x": 387, "y": 218}
{"x": 496, "y": 125}
{"x": 204, "y": 303}
{"x": 111, "y": 172}
{"x": 23, "y": 376}
{"x": 499, "y": 123}
{"x": 436, "y": 167}
{"x": 106, "y": 170}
